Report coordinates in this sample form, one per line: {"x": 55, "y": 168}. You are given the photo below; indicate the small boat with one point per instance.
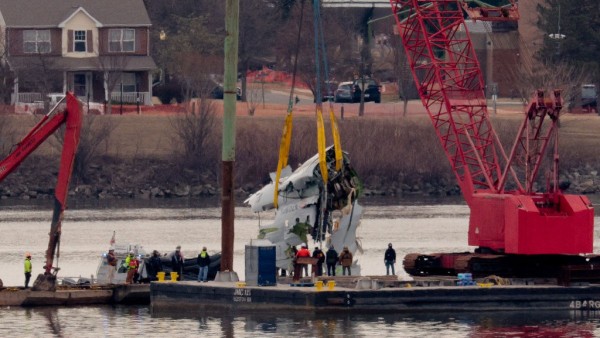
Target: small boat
{"x": 119, "y": 273}
{"x": 145, "y": 271}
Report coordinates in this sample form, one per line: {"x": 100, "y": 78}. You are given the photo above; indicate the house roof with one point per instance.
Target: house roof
{"x": 116, "y": 63}
{"x": 50, "y": 13}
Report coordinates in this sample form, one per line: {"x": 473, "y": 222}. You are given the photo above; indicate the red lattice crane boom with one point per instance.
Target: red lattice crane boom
{"x": 447, "y": 74}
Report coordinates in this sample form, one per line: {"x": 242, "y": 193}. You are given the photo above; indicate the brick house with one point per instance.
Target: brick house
{"x": 97, "y": 49}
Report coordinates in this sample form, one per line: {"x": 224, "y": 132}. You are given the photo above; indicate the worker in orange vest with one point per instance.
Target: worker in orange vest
{"x": 303, "y": 252}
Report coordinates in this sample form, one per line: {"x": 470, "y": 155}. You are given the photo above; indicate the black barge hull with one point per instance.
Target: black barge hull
{"x": 198, "y": 297}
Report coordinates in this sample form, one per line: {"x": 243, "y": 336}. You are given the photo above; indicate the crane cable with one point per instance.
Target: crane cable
{"x": 319, "y": 106}
{"x": 284, "y": 147}
{"x": 286, "y": 137}
{"x": 338, "y": 156}
{"x": 337, "y": 143}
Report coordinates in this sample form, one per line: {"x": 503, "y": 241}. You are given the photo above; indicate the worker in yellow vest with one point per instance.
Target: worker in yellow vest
{"x": 203, "y": 263}
{"x": 132, "y": 266}
{"x": 27, "y": 269}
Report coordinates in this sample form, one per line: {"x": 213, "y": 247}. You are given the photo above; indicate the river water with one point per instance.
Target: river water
{"x": 424, "y": 227}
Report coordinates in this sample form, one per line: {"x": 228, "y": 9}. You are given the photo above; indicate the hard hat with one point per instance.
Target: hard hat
{"x": 27, "y": 254}
{"x": 303, "y": 245}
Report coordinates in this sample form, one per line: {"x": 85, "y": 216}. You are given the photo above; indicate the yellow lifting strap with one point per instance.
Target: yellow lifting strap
{"x": 284, "y": 151}
{"x": 321, "y": 144}
{"x": 337, "y": 144}
{"x": 286, "y": 140}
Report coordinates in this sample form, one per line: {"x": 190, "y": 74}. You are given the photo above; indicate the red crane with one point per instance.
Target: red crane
{"x": 512, "y": 226}
{"x": 71, "y": 117}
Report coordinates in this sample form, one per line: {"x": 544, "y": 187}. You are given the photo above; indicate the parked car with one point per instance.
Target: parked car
{"x": 218, "y": 92}
{"x": 327, "y": 91}
{"x": 372, "y": 91}
{"x": 343, "y": 93}
{"x": 53, "y": 99}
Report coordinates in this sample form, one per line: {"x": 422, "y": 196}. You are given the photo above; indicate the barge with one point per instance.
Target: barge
{"x": 371, "y": 295}
{"x": 77, "y": 295}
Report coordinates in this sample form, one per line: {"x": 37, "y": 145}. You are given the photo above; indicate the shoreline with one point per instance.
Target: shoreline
{"x": 395, "y": 156}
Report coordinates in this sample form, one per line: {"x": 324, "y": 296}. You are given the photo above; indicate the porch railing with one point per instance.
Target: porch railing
{"x": 129, "y": 98}
{"x": 28, "y": 97}
{"x": 116, "y": 97}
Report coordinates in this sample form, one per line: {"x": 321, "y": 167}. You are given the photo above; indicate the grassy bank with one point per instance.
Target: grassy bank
{"x": 387, "y": 151}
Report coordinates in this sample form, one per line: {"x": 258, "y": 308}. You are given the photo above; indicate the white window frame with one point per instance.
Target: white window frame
{"x": 121, "y": 40}
{"x": 37, "y": 39}
{"x": 80, "y": 41}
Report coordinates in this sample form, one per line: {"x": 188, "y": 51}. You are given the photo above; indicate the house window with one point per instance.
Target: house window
{"x": 121, "y": 40}
{"x": 128, "y": 82}
{"x": 79, "y": 41}
{"x": 36, "y": 41}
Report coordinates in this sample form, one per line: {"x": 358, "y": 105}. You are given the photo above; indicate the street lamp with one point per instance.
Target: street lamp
{"x": 557, "y": 36}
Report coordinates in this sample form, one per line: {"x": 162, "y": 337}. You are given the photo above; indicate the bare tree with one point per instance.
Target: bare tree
{"x": 340, "y": 37}
{"x": 257, "y": 28}
{"x": 112, "y": 68}
{"x": 192, "y": 54}
{"x": 192, "y": 134}
{"x": 6, "y": 76}
{"x": 40, "y": 75}
{"x": 7, "y": 135}
{"x": 528, "y": 77}
{"x": 199, "y": 74}
{"x": 96, "y": 132}
{"x": 403, "y": 73}
{"x": 252, "y": 99}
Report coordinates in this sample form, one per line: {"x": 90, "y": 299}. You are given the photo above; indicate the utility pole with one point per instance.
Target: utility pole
{"x": 232, "y": 12}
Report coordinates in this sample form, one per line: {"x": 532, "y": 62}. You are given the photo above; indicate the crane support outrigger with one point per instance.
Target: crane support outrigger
{"x": 516, "y": 230}
{"x": 71, "y": 118}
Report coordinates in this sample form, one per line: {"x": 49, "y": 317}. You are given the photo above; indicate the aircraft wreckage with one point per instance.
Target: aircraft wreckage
{"x": 307, "y": 209}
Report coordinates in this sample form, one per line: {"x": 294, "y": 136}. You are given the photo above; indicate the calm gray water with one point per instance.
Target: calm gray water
{"x": 87, "y": 232}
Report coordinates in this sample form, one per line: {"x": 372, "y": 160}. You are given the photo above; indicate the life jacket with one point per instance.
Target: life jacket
{"x": 133, "y": 264}
{"x": 303, "y": 253}
{"x": 28, "y": 265}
